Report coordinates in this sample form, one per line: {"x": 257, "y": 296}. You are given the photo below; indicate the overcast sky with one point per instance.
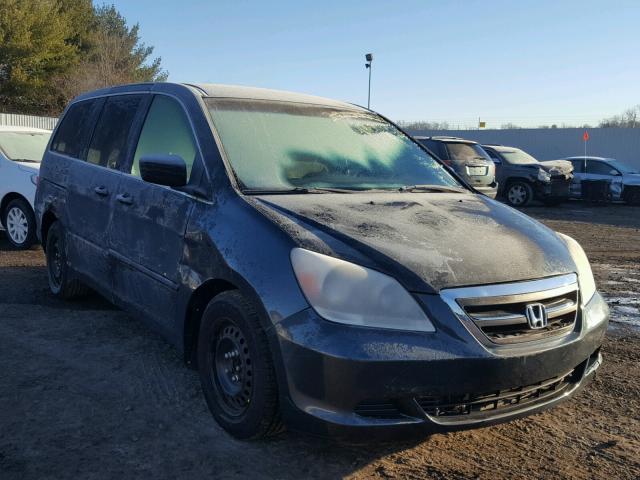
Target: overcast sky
{"x": 505, "y": 61}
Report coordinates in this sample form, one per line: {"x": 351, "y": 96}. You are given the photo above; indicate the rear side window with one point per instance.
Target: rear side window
{"x": 74, "y": 130}
{"x": 110, "y": 138}
{"x": 166, "y": 130}
{"x": 491, "y": 153}
{"x": 435, "y": 147}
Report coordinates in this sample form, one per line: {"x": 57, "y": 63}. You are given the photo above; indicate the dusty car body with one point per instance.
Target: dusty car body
{"x": 468, "y": 160}
{"x": 522, "y": 178}
{"x": 298, "y": 272}
{"x": 624, "y": 180}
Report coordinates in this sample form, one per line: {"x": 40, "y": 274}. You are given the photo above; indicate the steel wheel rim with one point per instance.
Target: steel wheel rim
{"x": 232, "y": 369}
{"x": 17, "y": 225}
{"x": 517, "y": 194}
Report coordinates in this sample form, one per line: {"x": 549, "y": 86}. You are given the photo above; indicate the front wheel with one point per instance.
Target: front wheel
{"x": 236, "y": 368}
{"x": 20, "y": 223}
{"x": 519, "y": 194}
{"x": 633, "y": 197}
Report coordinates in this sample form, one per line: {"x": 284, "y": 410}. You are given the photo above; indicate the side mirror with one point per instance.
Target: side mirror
{"x": 497, "y": 161}
{"x": 169, "y": 170}
{"x": 614, "y": 172}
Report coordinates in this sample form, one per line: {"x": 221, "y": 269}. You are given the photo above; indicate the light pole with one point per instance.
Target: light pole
{"x": 369, "y": 58}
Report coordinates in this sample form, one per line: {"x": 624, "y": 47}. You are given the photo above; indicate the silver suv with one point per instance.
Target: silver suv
{"x": 468, "y": 159}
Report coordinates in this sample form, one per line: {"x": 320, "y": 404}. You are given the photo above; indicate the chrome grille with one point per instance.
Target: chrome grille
{"x": 497, "y": 313}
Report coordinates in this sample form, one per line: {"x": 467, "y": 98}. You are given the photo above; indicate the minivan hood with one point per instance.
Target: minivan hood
{"x": 429, "y": 241}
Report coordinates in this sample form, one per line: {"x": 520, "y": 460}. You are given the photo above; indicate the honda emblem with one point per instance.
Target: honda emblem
{"x": 536, "y": 314}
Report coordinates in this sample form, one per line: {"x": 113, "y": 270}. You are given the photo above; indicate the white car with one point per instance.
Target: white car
{"x": 21, "y": 151}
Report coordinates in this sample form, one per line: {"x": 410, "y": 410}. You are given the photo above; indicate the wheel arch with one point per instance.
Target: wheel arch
{"x": 48, "y": 218}
{"x": 7, "y": 199}
{"x": 512, "y": 180}
{"x": 198, "y": 301}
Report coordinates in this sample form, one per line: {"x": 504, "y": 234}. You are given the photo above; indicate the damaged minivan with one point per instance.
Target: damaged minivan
{"x": 317, "y": 265}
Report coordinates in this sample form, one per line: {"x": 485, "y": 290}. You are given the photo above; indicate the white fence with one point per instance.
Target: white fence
{"x": 17, "y": 120}
{"x": 554, "y": 143}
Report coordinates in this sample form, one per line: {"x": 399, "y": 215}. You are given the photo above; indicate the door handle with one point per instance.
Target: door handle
{"x": 124, "y": 198}
{"x": 101, "y": 190}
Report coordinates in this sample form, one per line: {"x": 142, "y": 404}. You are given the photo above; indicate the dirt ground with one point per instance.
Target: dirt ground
{"x": 89, "y": 392}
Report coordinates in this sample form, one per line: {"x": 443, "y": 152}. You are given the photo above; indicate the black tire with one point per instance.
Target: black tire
{"x": 241, "y": 390}
{"x": 633, "y": 197}
{"x": 61, "y": 279}
{"x": 519, "y": 194}
{"x": 20, "y": 224}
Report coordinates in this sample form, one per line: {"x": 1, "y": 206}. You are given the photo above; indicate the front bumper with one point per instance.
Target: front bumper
{"x": 490, "y": 191}
{"x": 557, "y": 188}
{"x": 351, "y": 382}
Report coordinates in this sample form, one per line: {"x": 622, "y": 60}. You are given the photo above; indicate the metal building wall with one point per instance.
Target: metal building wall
{"x": 16, "y": 120}
{"x": 553, "y": 143}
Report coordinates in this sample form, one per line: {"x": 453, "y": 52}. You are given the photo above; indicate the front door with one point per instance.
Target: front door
{"x": 149, "y": 221}
{"x": 597, "y": 170}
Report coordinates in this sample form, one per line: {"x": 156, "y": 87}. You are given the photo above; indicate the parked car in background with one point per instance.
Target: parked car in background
{"x": 522, "y": 178}
{"x": 21, "y": 151}
{"x": 329, "y": 273}
{"x": 625, "y": 180}
{"x": 468, "y": 160}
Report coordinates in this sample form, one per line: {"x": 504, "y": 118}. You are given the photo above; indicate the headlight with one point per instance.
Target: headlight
{"x": 347, "y": 293}
{"x": 585, "y": 276}
{"x": 543, "y": 176}
{"x": 595, "y": 312}
{"x": 34, "y": 179}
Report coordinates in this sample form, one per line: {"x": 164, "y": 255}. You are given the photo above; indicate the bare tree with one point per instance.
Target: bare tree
{"x": 630, "y": 118}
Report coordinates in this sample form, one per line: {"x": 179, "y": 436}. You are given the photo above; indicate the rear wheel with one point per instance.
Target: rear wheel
{"x": 61, "y": 281}
{"x": 519, "y": 194}
{"x": 236, "y": 368}
{"x": 20, "y": 223}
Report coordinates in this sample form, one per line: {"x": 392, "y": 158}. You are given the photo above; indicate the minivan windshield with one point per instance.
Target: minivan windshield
{"x": 278, "y": 146}
{"x": 518, "y": 157}
{"x": 24, "y": 146}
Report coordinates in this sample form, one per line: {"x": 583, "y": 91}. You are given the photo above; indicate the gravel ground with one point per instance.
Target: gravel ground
{"x": 86, "y": 391}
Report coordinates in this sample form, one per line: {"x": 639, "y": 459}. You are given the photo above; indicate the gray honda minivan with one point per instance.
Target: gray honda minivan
{"x": 317, "y": 265}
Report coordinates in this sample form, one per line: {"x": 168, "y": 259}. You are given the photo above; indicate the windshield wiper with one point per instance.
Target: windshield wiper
{"x": 25, "y": 160}
{"x": 295, "y": 190}
{"x": 430, "y": 188}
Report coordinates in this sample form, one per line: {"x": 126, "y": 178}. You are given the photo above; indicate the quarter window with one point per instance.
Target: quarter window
{"x": 109, "y": 143}
{"x": 166, "y": 131}
{"x": 73, "y": 132}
